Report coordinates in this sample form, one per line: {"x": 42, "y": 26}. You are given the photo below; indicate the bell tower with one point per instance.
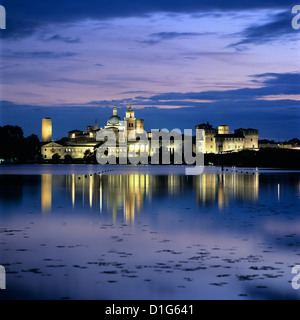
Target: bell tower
{"x": 130, "y": 120}
{"x": 46, "y": 130}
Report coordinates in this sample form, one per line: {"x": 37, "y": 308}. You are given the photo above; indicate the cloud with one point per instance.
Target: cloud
{"x": 158, "y": 37}
{"x": 173, "y": 35}
{"x": 277, "y": 27}
{"x": 136, "y": 92}
{"x": 155, "y": 38}
{"x": 271, "y": 84}
{"x": 39, "y": 54}
{"x": 26, "y": 17}
{"x": 58, "y": 37}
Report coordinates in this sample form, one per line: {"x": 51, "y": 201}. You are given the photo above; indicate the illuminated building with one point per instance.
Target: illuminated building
{"x": 46, "y": 130}
{"x": 132, "y": 140}
{"x": 220, "y": 140}
{"x": 79, "y": 143}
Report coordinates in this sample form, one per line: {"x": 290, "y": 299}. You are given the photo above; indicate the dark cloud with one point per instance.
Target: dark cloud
{"x": 155, "y": 38}
{"x": 278, "y": 26}
{"x": 39, "y": 54}
{"x": 271, "y": 84}
{"x": 25, "y": 17}
{"x": 136, "y": 92}
{"x": 58, "y": 37}
{"x": 173, "y": 35}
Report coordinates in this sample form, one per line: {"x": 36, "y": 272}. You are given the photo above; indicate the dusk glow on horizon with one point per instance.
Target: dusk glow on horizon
{"x": 177, "y": 63}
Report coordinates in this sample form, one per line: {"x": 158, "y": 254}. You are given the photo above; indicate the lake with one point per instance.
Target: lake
{"x": 148, "y": 232}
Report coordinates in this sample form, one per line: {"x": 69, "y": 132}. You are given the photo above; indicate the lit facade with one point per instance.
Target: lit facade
{"x": 220, "y": 140}
{"x": 46, "y": 130}
{"x": 80, "y": 144}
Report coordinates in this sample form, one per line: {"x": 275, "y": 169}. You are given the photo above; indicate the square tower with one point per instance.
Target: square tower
{"x": 46, "y": 130}
{"x": 130, "y": 120}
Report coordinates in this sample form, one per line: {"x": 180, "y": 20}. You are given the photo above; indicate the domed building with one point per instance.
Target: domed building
{"x": 80, "y": 143}
{"x": 114, "y": 120}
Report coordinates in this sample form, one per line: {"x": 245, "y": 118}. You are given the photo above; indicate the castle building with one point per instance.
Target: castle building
{"x": 220, "y": 140}
{"x": 132, "y": 140}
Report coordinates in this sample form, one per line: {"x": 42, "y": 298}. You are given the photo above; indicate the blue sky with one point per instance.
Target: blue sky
{"x": 179, "y": 63}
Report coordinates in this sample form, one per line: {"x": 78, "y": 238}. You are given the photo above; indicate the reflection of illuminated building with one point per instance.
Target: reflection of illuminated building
{"x": 221, "y": 187}
{"x": 46, "y": 192}
{"x": 118, "y": 193}
{"x": 124, "y": 196}
{"x": 174, "y": 182}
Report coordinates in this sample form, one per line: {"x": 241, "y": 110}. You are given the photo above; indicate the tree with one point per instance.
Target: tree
{"x": 294, "y": 141}
{"x": 68, "y": 158}
{"x": 89, "y": 157}
{"x": 87, "y": 154}
{"x": 11, "y": 139}
{"x": 14, "y": 147}
{"x": 30, "y": 148}
{"x": 55, "y": 157}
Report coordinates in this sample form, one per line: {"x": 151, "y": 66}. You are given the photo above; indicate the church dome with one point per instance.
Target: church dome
{"x": 114, "y": 120}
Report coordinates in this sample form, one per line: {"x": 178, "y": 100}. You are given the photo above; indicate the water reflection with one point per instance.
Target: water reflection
{"x": 221, "y": 188}
{"x": 128, "y": 193}
{"x": 46, "y": 192}
{"x": 174, "y": 243}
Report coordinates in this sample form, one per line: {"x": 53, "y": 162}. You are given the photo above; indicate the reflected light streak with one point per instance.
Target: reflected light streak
{"x": 46, "y": 192}
{"x": 126, "y": 194}
{"x": 91, "y": 188}
{"x": 73, "y": 190}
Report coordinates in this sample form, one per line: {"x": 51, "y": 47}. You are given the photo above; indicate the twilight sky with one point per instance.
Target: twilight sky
{"x": 179, "y": 63}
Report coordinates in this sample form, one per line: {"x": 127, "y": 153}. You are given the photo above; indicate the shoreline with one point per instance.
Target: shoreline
{"x": 97, "y": 169}
{"x": 285, "y": 159}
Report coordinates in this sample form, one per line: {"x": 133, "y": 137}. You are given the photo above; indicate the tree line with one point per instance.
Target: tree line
{"x": 15, "y": 148}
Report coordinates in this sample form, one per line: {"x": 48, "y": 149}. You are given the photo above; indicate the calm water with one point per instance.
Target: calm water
{"x": 113, "y": 232}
